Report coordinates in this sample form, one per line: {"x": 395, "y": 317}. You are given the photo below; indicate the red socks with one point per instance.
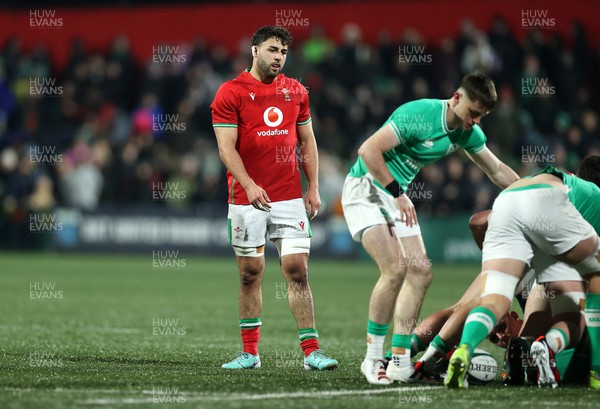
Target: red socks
{"x": 250, "y": 339}
{"x": 309, "y": 345}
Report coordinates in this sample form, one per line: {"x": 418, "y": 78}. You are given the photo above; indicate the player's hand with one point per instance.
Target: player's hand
{"x": 312, "y": 202}
{"x": 408, "y": 213}
{"x": 258, "y": 198}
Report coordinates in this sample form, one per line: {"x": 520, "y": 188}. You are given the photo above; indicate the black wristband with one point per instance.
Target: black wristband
{"x": 394, "y": 188}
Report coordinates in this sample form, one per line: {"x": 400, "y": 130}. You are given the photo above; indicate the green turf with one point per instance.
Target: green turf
{"x": 95, "y": 347}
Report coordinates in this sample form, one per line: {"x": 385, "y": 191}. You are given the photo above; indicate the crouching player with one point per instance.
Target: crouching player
{"x": 535, "y": 213}
{"x": 555, "y": 303}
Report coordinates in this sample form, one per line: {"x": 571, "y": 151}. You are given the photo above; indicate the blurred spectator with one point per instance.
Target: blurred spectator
{"x": 317, "y": 46}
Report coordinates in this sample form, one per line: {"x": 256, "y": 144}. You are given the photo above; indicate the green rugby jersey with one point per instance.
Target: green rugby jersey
{"x": 424, "y": 138}
{"x": 584, "y": 195}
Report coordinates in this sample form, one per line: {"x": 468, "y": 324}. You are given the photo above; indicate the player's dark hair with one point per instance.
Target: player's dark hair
{"x": 264, "y": 33}
{"x": 589, "y": 169}
{"x": 480, "y": 88}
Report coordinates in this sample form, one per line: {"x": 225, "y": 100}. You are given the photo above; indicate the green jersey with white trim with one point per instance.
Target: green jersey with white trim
{"x": 584, "y": 195}
{"x": 424, "y": 138}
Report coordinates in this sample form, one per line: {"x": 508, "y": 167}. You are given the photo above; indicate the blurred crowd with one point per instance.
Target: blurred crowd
{"x": 113, "y": 131}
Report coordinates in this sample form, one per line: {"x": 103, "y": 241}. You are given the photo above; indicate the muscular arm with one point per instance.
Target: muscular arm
{"x": 496, "y": 170}
{"x": 226, "y": 139}
{"x": 309, "y": 159}
{"x": 371, "y": 152}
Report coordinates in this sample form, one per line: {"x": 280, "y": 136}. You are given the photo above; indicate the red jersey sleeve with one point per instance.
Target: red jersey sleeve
{"x": 304, "y": 114}
{"x": 224, "y": 108}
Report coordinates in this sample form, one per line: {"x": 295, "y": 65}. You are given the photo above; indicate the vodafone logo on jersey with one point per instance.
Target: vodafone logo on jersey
{"x": 273, "y": 116}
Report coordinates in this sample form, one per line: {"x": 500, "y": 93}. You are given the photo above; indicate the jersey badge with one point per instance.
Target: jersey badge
{"x": 453, "y": 147}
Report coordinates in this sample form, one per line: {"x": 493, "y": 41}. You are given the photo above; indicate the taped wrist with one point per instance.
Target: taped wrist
{"x": 394, "y": 188}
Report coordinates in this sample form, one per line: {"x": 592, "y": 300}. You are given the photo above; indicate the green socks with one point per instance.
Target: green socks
{"x": 480, "y": 322}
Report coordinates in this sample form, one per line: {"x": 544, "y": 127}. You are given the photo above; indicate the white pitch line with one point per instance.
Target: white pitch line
{"x": 245, "y": 396}
{"x": 523, "y": 403}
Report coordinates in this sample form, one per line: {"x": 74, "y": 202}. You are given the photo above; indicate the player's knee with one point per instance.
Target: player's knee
{"x": 393, "y": 276}
{"x": 418, "y": 270}
{"x": 420, "y": 275}
{"x": 296, "y": 273}
{"x": 394, "y": 271}
{"x": 250, "y": 276}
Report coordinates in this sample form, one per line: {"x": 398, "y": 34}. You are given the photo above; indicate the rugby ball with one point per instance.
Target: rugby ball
{"x": 478, "y": 223}
{"x": 483, "y": 368}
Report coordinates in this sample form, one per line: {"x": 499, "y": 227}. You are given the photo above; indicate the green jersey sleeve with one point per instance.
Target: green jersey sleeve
{"x": 476, "y": 141}
{"x": 412, "y": 120}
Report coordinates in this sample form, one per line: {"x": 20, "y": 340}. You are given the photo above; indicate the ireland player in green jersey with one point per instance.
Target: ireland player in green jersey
{"x": 550, "y": 212}
{"x": 383, "y": 218}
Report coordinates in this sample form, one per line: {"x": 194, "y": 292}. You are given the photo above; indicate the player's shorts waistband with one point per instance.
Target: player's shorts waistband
{"x": 529, "y": 187}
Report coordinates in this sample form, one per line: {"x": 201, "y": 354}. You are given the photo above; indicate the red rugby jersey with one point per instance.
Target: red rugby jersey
{"x": 266, "y": 116}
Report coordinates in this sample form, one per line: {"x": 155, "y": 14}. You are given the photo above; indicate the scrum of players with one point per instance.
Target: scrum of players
{"x": 551, "y": 345}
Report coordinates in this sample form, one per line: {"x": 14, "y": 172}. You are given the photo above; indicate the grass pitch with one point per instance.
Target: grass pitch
{"x": 81, "y": 331}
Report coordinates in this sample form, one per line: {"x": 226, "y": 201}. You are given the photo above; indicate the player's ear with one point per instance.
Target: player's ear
{"x": 254, "y": 52}
{"x": 456, "y": 97}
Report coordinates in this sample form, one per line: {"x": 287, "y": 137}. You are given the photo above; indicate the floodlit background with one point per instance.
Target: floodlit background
{"x": 105, "y": 128}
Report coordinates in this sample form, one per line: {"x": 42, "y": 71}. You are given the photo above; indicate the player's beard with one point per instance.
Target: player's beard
{"x": 265, "y": 68}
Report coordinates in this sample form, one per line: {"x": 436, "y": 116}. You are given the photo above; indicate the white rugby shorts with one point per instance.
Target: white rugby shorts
{"x": 366, "y": 205}
{"x": 524, "y": 219}
{"x": 249, "y": 227}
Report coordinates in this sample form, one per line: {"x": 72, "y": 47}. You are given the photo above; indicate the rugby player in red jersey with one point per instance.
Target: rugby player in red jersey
{"x": 263, "y": 127}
